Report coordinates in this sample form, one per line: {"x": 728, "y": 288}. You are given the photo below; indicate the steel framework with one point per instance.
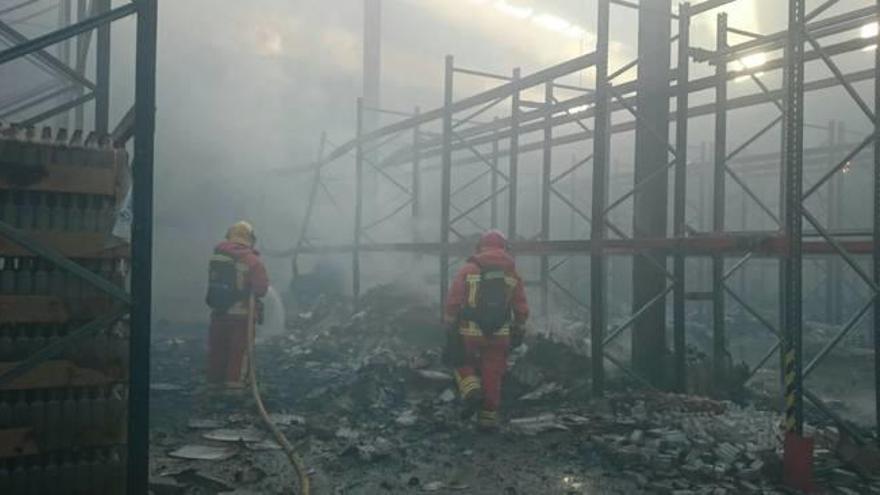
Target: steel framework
{"x": 138, "y": 123}
{"x": 453, "y": 135}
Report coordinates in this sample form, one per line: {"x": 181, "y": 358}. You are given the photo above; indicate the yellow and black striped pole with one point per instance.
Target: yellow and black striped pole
{"x": 792, "y": 289}
{"x": 791, "y": 390}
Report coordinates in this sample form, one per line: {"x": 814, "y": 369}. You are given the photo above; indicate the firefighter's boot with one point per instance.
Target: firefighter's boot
{"x": 471, "y": 392}
{"x": 488, "y": 421}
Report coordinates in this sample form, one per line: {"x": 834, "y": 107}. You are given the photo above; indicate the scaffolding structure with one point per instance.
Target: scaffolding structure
{"x": 453, "y": 135}
{"x": 77, "y": 88}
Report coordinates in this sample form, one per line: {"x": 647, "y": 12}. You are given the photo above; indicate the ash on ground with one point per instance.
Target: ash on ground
{"x": 367, "y": 403}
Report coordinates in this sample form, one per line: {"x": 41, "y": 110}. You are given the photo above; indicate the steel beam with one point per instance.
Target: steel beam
{"x": 358, "y": 204}
{"x": 835, "y": 221}
{"x": 302, "y": 239}
{"x": 32, "y": 101}
{"x": 416, "y": 175}
{"x": 142, "y": 248}
{"x": 24, "y": 240}
{"x": 82, "y": 51}
{"x": 793, "y": 221}
{"x": 762, "y": 244}
{"x": 65, "y": 107}
{"x": 680, "y": 196}
{"x": 102, "y": 70}
{"x": 546, "y": 171}
{"x": 493, "y": 182}
{"x": 719, "y": 333}
{"x": 45, "y": 58}
{"x": 649, "y": 355}
{"x": 65, "y": 18}
{"x": 513, "y": 174}
{"x": 696, "y": 111}
{"x": 56, "y": 348}
{"x": 503, "y": 91}
{"x": 372, "y": 69}
{"x": 446, "y": 176}
{"x": 875, "y": 258}
{"x": 826, "y": 27}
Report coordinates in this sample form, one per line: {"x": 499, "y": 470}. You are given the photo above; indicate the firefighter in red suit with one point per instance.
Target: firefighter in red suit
{"x": 236, "y": 274}
{"x": 478, "y": 344}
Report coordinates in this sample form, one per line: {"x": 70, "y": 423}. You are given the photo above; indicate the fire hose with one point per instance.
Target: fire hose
{"x": 294, "y": 458}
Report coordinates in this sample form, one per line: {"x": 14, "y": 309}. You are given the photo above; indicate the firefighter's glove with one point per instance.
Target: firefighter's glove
{"x": 517, "y": 334}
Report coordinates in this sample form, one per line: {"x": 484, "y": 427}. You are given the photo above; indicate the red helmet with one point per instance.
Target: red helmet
{"x": 492, "y": 239}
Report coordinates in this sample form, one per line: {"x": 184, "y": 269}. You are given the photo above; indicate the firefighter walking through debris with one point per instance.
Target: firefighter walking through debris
{"x": 236, "y": 274}
{"x": 486, "y": 310}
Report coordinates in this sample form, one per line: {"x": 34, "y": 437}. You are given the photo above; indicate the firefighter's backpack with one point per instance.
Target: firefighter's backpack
{"x": 225, "y": 282}
{"x": 492, "y": 311}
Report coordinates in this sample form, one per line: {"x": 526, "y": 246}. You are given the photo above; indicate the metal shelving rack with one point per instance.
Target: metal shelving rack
{"x": 452, "y": 135}
{"x": 139, "y": 124}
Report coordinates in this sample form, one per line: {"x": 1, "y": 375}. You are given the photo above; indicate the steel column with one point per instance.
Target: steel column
{"x": 649, "y": 349}
{"x": 358, "y": 205}
{"x": 546, "y": 169}
{"x": 446, "y": 176}
{"x": 82, "y": 50}
{"x": 102, "y": 72}
{"x": 416, "y": 174}
{"x": 793, "y": 219}
{"x": 837, "y": 273}
{"x": 719, "y": 198}
{"x": 513, "y": 174}
{"x": 493, "y": 181}
{"x": 680, "y": 196}
{"x": 830, "y": 286}
{"x": 310, "y": 208}
{"x": 601, "y": 145}
{"x": 876, "y": 237}
{"x": 65, "y": 17}
{"x": 142, "y": 248}
{"x": 372, "y": 71}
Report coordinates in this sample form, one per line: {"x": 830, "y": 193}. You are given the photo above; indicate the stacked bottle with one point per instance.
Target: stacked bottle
{"x": 61, "y": 190}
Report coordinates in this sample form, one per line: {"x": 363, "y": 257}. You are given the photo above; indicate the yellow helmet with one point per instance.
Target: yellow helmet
{"x": 241, "y": 232}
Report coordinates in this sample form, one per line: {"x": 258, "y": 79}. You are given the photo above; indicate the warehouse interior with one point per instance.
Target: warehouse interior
{"x": 691, "y": 192}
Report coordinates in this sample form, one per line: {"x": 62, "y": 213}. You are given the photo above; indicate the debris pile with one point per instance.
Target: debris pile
{"x": 365, "y": 399}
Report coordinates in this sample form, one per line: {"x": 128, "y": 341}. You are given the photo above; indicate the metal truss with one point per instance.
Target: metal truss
{"x": 139, "y": 123}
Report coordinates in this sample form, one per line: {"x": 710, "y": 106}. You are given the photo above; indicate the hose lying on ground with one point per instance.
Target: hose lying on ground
{"x": 295, "y": 460}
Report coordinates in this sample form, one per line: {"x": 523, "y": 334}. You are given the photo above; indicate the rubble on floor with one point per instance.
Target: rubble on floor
{"x": 366, "y": 401}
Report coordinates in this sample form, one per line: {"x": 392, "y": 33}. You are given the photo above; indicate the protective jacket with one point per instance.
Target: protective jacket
{"x": 462, "y": 292}
{"x": 228, "y": 335}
